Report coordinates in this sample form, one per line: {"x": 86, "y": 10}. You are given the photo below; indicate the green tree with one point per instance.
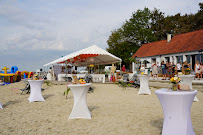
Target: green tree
{"x": 176, "y": 24}
{"x": 147, "y": 26}
{"x": 156, "y": 23}
{"x": 131, "y": 35}
{"x": 199, "y": 18}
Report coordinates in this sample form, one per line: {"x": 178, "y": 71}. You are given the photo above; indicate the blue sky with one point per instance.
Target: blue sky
{"x": 36, "y": 32}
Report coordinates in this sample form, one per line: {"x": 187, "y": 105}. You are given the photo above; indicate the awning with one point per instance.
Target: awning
{"x": 91, "y": 55}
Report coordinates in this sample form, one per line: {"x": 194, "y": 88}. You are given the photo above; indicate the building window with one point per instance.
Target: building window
{"x": 198, "y": 57}
{"x": 180, "y": 59}
{"x": 201, "y": 57}
{"x": 167, "y": 59}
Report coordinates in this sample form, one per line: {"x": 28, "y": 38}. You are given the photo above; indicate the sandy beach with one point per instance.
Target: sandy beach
{"x": 115, "y": 111}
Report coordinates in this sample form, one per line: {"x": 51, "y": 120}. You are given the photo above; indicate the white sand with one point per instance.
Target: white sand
{"x": 115, "y": 111}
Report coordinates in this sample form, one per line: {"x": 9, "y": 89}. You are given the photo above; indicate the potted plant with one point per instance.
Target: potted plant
{"x": 175, "y": 81}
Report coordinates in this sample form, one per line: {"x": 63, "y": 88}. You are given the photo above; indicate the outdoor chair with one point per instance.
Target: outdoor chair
{"x": 125, "y": 77}
{"x": 88, "y": 79}
{"x": 26, "y": 89}
{"x": 135, "y": 81}
{"x": 124, "y": 81}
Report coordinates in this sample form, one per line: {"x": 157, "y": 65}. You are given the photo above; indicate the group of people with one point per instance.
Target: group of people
{"x": 169, "y": 69}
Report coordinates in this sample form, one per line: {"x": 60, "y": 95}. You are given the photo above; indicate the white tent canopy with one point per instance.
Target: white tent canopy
{"x": 91, "y": 55}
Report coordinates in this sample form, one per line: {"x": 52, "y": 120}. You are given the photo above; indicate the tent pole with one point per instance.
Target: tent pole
{"x": 53, "y": 77}
{"x": 120, "y": 65}
{"x": 66, "y": 70}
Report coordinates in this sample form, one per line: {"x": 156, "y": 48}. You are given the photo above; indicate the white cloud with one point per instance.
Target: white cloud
{"x": 70, "y": 25}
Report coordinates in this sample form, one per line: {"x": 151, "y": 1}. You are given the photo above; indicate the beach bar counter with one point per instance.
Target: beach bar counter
{"x": 176, "y": 106}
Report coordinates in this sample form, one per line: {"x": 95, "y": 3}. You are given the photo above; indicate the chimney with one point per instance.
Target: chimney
{"x": 168, "y": 37}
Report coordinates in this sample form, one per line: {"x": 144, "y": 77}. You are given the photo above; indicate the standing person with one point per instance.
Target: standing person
{"x": 155, "y": 70}
{"x": 123, "y": 69}
{"x": 51, "y": 72}
{"x": 142, "y": 69}
{"x": 185, "y": 66}
{"x": 197, "y": 69}
{"x": 167, "y": 73}
{"x": 201, "y": 70}
{"x": 163, "y": 67}
{"x": 159, "y": 69}
{"x": 169, "y": 70}
{"x": 113, "y": 70}
{"x": 173, "y": 69}
{"x": 178, "y": 66}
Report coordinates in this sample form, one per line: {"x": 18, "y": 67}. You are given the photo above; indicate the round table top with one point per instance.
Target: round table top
{"x": 171, "y": 92}
{"x": 25, "y": 79}
{"x": 79, "y": 85}
{"x": 35, "y": 80}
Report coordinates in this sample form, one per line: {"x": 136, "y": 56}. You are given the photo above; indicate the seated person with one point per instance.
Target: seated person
{"x": 142, "y": 69}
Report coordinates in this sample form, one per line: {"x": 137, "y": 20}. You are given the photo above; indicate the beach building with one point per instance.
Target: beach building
{"x": 179, "y": 48}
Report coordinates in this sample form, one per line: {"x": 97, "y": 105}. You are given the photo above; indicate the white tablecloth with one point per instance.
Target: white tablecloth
{"x": 1, "y": 106}
{"x": 144, "y": 84}
{"x": 176, "y": 107}
{"x": 187, "y": 79}
{"x": 35, "y": 91}
{"x": 80, "y": 108}
{"x": 96, "y": 77}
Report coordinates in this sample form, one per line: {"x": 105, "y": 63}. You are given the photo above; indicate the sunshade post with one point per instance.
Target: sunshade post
{"x": 66, "y": 70}
{"x": 53, "y": 77}
{"x": 120, "y": 65}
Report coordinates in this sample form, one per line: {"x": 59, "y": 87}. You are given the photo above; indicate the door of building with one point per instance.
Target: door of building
{"x": 193, "y": 61}
{"x": 167, "y": 59}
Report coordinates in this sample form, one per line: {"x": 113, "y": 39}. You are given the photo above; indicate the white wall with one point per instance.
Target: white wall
{"x": 172, "y": 57}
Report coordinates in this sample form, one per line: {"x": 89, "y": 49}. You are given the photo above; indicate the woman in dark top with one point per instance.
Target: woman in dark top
{"x": 185, "y": 66}
{"x": 163, "y": 67}
{"x": 173, "y": 69}
{"x": 169, "y": 69}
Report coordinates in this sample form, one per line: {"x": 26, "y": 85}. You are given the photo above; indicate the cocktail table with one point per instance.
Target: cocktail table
{"x": 80, "y": 108}
{"x": 187, "y": 79}
{"x": 1, "y": 106}
{"x": 144, "y": 84}
{"x": 176, "y": 106}
{"x": 35, "y": 91}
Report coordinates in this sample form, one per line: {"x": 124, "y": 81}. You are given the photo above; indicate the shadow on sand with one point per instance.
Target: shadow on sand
{"x": 10, "y": 103}
{"x": 91, "y": 108}
{"x": 47, "y": 96}
{"x": 158, "y": 123}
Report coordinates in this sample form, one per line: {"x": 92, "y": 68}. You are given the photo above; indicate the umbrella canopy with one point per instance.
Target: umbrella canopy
{"x": 91, "y": 55}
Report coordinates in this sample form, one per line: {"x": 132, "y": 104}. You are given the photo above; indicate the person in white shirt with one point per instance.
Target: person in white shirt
{"x": 142, "y": 69}
{"x": 197, "y": 69}
{"x": 155, "y": 70}
{"x": 178, "y": 67}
